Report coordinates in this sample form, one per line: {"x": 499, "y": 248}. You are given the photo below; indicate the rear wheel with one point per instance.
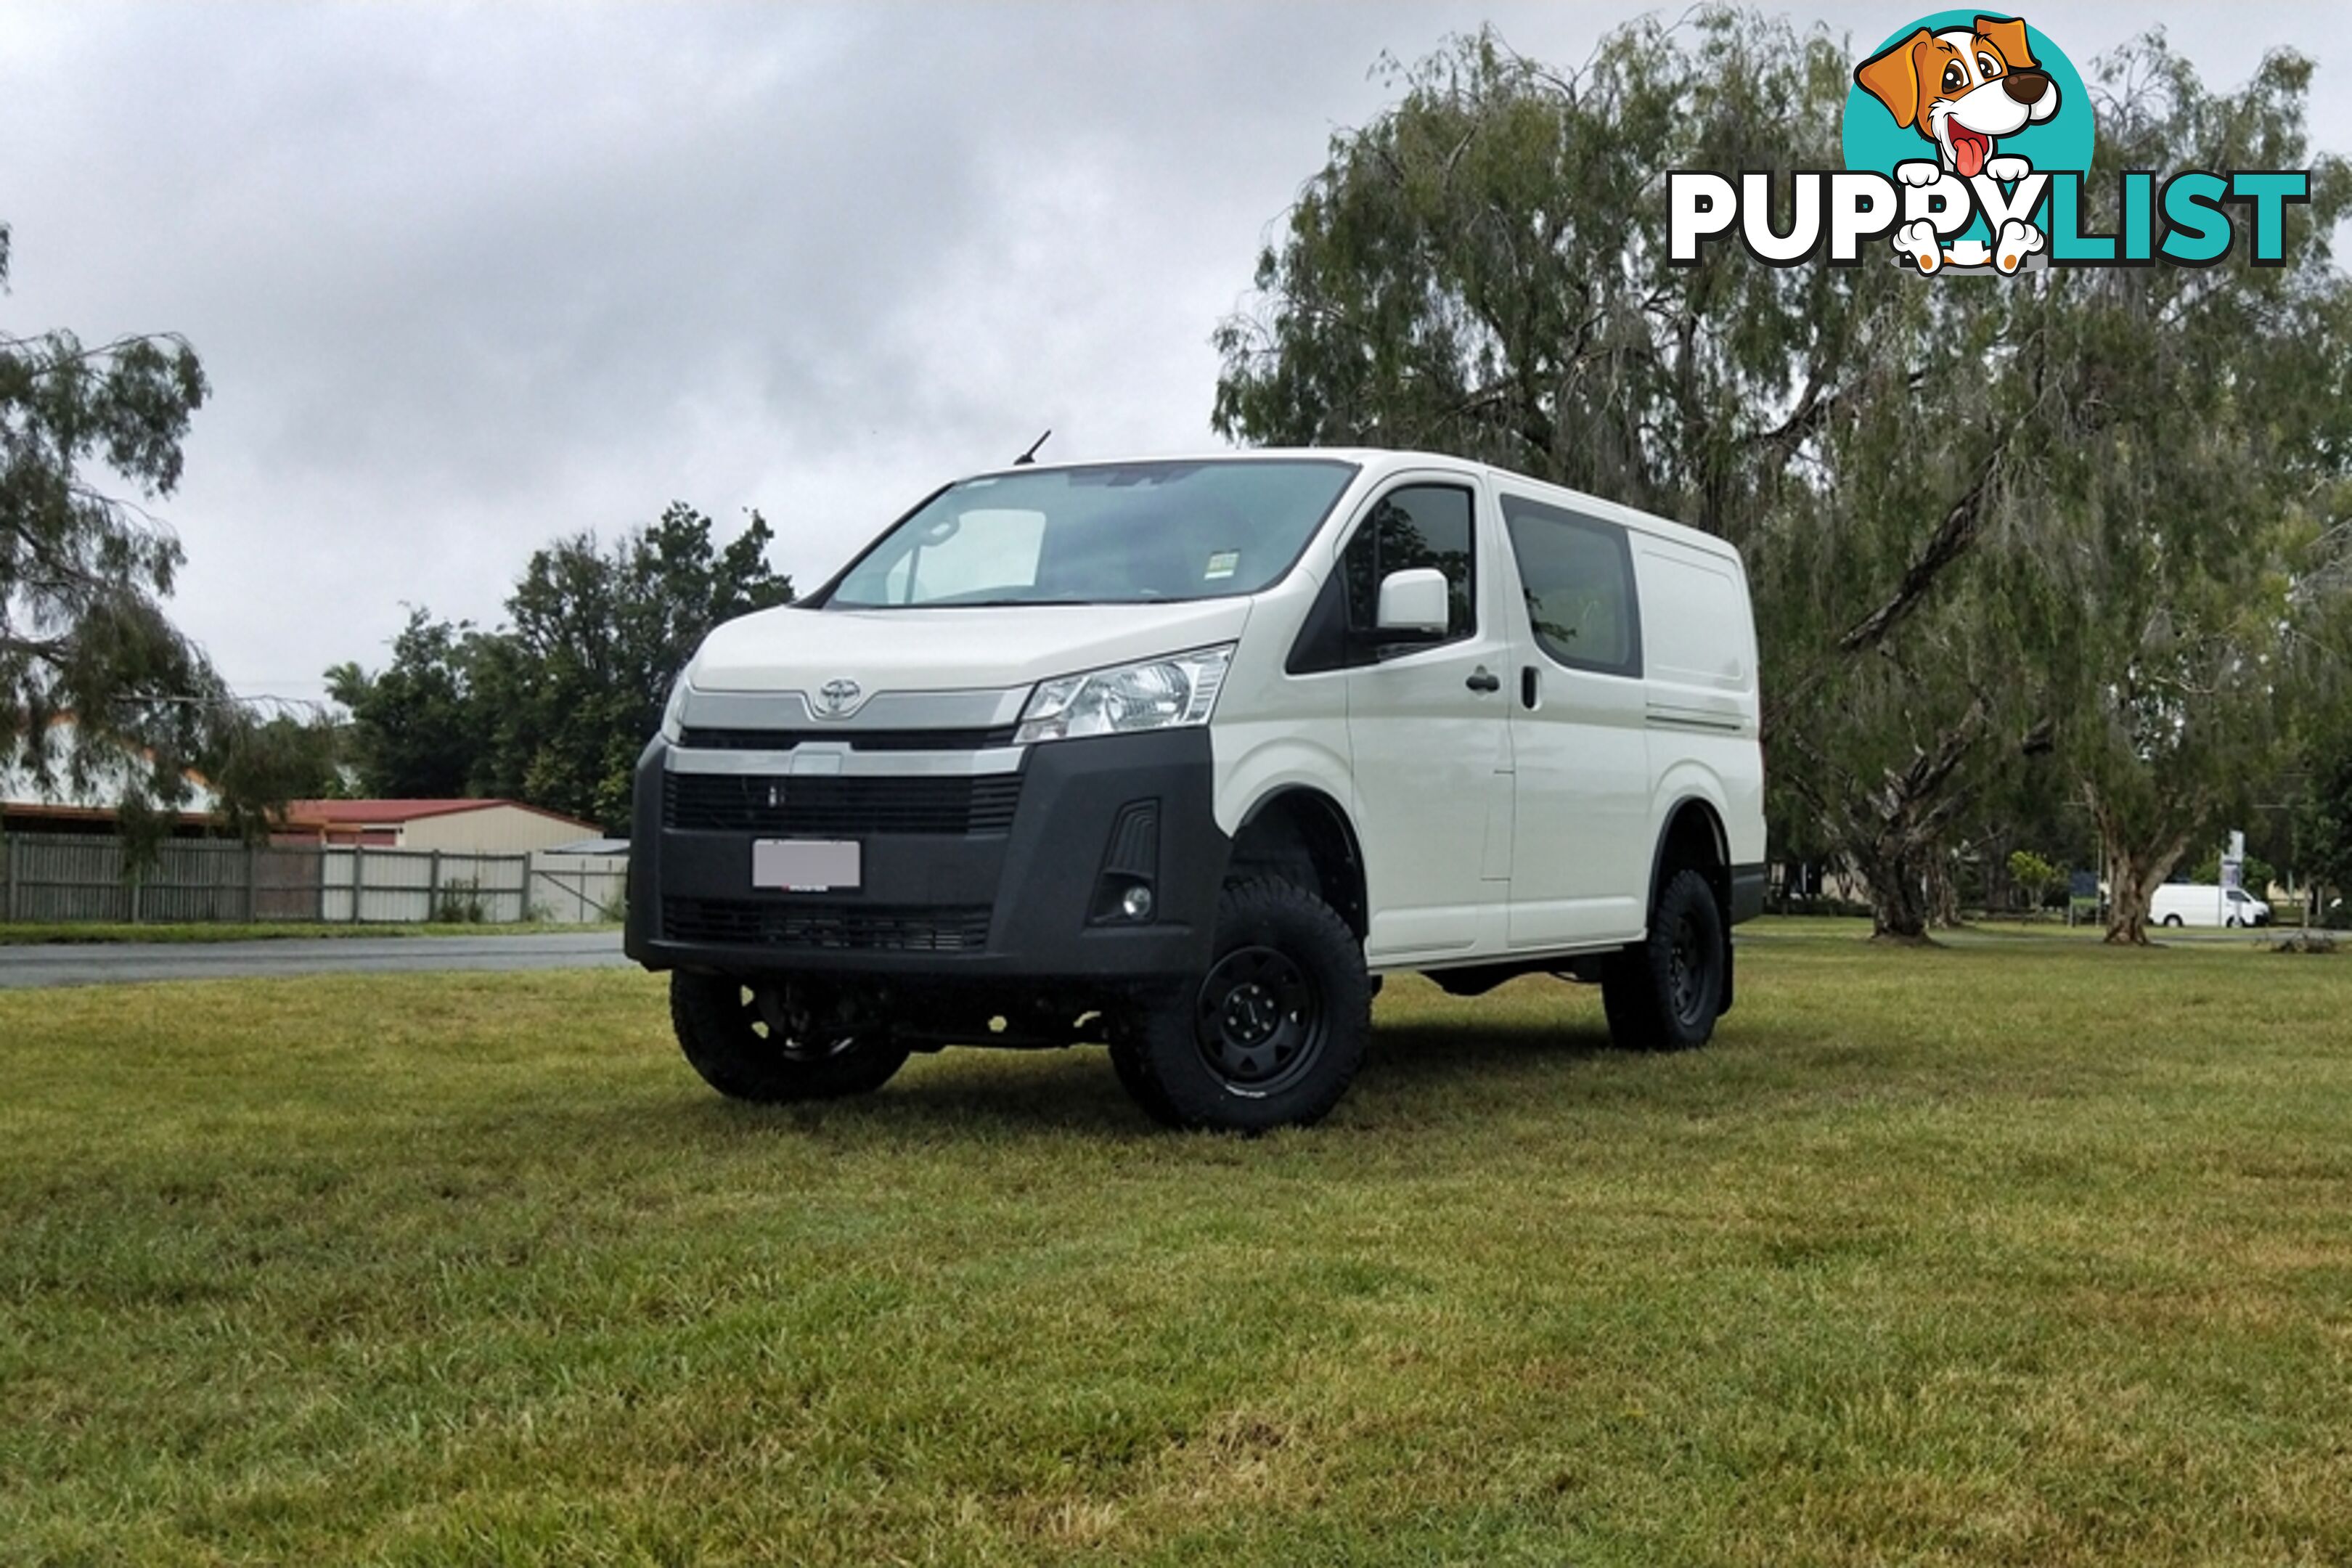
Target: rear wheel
{"x": 2172, "y": 920}
{"x": 1665, "y": 992}
{"x": 1271, "y": 1036}
{"x": 776, "y": 1042}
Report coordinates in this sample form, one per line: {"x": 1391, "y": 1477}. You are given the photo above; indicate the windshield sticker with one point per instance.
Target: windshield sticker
{"x": 1222, "y": 564}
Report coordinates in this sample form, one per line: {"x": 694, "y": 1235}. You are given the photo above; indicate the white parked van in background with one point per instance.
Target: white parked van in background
{"x": 2204, "y": 904}
{"x": 1179, "y": 754}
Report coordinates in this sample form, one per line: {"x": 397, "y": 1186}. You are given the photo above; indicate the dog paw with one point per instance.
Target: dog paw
{"x": 2008, "y": 170}
{"x": 1918, "y": 243}
{"x": 1919, "y": 171}
{"x": 2018, "y": 241}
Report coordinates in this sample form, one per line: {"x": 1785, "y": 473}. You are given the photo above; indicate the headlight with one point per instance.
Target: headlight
{"x": 1158, "y": 694}
{"x": 673, "y": 724}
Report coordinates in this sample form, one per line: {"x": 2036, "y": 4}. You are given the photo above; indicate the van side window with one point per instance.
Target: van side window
{"x": 1414, "y": 525}
{"x": 1578, "y": 574}
{"x": 1417, "y": 525}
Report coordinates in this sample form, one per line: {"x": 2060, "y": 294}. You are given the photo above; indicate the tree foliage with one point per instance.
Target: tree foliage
{"x": 84, "y": 573}
{"x": 2034, "y": 876}
{"x": 2321, "y": 823}
{"x": 2325, "y": 829}
{"x": 1485, "y": 270}
{"x": 554, "y": 707}
{"x": 2178, "y": 448}
{"x": 417, "y": 731}
{"x": 2254, "y": 872}
{"x": 2008, "y": 539}
{"x": 1482, "y": 270}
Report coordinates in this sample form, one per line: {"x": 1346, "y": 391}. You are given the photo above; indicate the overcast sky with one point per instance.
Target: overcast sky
{"x": 468, "y": 277}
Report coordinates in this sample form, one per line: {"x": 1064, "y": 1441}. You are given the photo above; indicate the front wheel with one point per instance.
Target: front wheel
{"x": 1271, "y": 1036}
{"x": 1665, "y": 992}
{"x": 773, "y": 1042}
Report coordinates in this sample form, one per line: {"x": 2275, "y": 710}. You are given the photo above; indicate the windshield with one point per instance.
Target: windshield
{"x": 1114, "y": 536}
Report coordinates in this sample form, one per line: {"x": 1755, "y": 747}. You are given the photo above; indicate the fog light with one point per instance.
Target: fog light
{"x": 1136, "y": 904}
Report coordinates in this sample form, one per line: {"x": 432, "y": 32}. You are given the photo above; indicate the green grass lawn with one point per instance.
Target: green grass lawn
{"x": 2021, "y": 1251}
{"x": 25, "y": 934}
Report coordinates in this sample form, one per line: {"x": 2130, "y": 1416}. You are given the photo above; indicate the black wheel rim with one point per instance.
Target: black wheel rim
{"x": 1688, "y": 966}
{"x": 1259, "y": 1022}
{"x": 770, "y": 1016}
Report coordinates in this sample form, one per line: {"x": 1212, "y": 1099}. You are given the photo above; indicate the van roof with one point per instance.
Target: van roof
{"x": 1378, "y": 462}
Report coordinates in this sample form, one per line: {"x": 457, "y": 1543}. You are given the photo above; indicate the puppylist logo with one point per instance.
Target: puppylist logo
{"x": 1967, "y": 140}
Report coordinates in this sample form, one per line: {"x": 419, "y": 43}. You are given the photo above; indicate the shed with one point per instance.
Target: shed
{"x": 55, "y": 805}
{"x": 467, "y": 826}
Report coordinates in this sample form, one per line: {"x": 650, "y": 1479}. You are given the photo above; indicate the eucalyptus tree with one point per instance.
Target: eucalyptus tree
{"x": 2324, "y": 820}
{"x": 2186, "y": 448}
{"x": 2320, "y": 802}
{"x": 87, "y": 434}
{"x": 1483, "y": 270}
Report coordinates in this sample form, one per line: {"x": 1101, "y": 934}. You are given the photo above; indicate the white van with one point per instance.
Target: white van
{"x": 2204, "y": 904}
{"x": 1181, "y": 754}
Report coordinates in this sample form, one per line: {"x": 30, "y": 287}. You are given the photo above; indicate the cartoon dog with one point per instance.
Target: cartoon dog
{"x": 1961, "y": 90}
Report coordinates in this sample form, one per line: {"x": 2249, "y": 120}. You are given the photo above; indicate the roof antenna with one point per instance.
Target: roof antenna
{"x": 1025, "y": 459}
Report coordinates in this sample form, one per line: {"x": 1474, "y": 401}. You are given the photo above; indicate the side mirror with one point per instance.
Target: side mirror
{"x": 1413, "y": 602}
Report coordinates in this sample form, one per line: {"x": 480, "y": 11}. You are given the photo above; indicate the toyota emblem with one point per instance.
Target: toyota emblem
{"x": 837, "y": 698}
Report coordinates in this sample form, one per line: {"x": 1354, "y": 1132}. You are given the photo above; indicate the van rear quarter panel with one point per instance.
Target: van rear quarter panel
{"x": 1699, "y": 667}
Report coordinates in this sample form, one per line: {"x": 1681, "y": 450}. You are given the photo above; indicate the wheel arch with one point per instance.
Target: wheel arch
{"x": 1693, "y": 837}
{"x": 1299, "y": 832}
{"x": 1696, "y": 838}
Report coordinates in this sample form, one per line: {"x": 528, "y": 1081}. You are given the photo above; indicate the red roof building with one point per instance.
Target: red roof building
{"x": 482, "y": 827}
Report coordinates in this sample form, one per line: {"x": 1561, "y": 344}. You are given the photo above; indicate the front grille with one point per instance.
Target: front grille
{"x": 745, "y": 923}
{"x": 832, "y": 806}
{"x": 716, "y": 739}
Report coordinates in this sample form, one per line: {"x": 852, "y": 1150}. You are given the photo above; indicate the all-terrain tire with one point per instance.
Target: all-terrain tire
{"x": 744, "y": 1049}
{"x": 1271, "y": 1036}
{"x": 1665, "y": 992}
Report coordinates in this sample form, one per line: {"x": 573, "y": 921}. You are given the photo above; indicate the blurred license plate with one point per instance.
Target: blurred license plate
{"x": 805, "y": 864}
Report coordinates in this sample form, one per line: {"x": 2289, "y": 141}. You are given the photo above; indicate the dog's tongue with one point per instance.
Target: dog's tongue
{"x": 1968, "y": 151}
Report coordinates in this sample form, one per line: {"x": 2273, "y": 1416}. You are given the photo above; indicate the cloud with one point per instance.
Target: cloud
{"x": 467, "y": 278}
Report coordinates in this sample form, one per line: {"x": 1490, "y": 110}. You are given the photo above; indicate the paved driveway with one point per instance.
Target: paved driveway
{"x": 101, "y": 964}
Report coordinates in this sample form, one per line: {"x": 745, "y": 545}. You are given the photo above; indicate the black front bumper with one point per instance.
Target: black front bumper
{"x": 1000, "y": 877}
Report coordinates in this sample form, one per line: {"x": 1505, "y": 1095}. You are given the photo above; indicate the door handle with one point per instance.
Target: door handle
{"x": 1531, "y": 685}
{"x": 1481, "y": 680}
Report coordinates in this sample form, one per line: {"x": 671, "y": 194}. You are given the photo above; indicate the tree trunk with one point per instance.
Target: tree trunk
{"x": 1897, "y": 873}
{"x": 1894, "y": 833}
{"x": 1943, "y": 894}
{"x": 2135, "y": 871}
{"x": 2129, "y": 888}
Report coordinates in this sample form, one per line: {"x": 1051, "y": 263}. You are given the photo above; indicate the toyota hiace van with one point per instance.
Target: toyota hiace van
{"x": 1179, "y": 757}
